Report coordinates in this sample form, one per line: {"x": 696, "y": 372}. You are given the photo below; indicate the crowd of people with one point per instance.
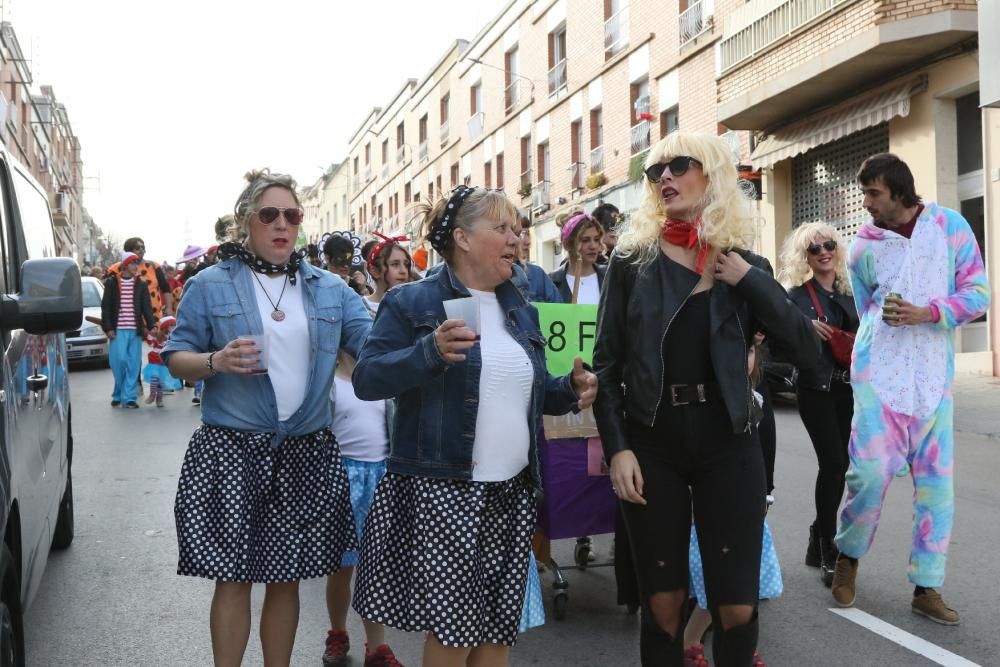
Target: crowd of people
{"x": 352, "y": 429}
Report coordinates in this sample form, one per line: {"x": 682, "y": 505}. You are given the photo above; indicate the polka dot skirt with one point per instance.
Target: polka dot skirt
{"x": 252, "y": 513}
{"x": 448, "y": 557}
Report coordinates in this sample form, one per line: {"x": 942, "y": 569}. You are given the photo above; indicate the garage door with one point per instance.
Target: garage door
{"x": 824, "y": 188}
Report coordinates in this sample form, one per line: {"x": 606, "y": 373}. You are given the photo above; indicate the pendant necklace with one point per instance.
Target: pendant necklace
{"x": 277, "y": 315}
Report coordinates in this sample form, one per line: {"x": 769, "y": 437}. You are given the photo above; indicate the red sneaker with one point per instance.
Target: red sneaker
{"x": 382, "y": 656}
{"x": 694, "y": 656}
{"x": 337, "y": 646}
{"x": 757, "y": 660}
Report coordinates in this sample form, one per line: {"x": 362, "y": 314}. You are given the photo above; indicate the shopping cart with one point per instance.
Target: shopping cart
{"x": 577, "y": 502}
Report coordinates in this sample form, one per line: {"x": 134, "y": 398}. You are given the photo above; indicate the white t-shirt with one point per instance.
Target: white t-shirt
{"x": 372, "y": 305}
{"x": 359, "y": 425}
{"x": 500, "y": 450}
{"x": 590, "y": 289}
{"x": 287, "y": 341}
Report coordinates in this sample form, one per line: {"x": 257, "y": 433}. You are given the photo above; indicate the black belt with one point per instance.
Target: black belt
{"x": 841, "y": 375}
{"x": 685, "y": 394}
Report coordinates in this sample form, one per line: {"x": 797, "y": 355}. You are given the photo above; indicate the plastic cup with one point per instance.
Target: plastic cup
{"x": 260, "y": 342}
{"x": 466, "y": 308}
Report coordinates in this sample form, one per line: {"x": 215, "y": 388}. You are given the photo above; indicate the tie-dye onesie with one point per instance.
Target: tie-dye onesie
{"x": 902, "y": 376}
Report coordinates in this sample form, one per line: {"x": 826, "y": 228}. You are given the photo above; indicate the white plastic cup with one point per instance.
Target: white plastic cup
{"x": 466, "y": 308}
{"x": 260, "y": 342}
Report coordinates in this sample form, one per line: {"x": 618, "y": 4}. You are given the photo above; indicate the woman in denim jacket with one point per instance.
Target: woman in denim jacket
{"x": 447, "y": 539}
{"x": 263, "y": 497}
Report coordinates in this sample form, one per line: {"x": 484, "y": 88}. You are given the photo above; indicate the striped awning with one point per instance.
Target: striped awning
{"x": 844, "y": 119}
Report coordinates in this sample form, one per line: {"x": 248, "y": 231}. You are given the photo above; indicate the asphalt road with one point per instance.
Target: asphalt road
{"x": 113, "y": 598}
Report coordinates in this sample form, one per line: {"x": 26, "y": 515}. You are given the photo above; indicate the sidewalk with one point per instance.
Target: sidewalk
{"x": 977, "y": 405}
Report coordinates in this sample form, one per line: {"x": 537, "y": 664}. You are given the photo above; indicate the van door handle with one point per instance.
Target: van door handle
{"x": 37, "y": 382}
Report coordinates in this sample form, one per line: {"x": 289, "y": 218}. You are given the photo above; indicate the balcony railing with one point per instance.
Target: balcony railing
{"x": 639, "y": 136}
{"x": 616, "y": 33}
{"x": 540, "y": 195}
{"x": 445, "y": 133}
{"x": 642, "y": 106}
{"x": 692, "y": 22}
{"x": 557, "y": 78}
{"x": 385, "y": 171}
{"x": 577, "y": 174}
{"x": 512, "y": 95}
{"x": 368, "y": 174}
{"x": 401, "y": 154}
{"x": 759, "y": 23}
{"x": 597, "y": 160}
{"x": 476, "y": 125}
{"x": 422, "y": 151}
{"x": 526, "y": 178}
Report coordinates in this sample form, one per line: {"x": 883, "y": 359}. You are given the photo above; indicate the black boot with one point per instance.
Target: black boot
{"x": 657, "y": 648}
{"x": 812, "y": 551}
{"x": 828, "y": 553}
{"x": 735, "y": 647}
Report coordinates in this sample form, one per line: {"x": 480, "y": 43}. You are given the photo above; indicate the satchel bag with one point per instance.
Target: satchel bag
{"x": 841, "y": 342}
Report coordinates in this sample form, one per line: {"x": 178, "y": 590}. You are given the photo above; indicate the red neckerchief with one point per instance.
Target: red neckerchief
{"x": 685, "y": 234}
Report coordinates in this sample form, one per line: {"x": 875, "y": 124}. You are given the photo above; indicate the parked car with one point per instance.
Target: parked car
{"x": 88, "y": 343}
{"x": 41, "y": 301}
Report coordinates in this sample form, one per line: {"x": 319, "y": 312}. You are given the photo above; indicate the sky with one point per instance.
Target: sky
{"x": 174, "y": 102}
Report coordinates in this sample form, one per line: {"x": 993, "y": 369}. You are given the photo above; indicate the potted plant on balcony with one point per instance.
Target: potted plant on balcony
{"x": 597, "y": 180}
{"x": 524, "y": 190}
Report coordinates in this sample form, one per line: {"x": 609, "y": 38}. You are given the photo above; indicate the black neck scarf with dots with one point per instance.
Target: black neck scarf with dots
{"x": 290, "y": 268}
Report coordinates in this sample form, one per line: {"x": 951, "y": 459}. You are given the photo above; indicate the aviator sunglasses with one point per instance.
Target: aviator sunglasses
{"x": 678, "y": 167}
{"x": 816, "y": 248}
{"x": 269, "y": 214}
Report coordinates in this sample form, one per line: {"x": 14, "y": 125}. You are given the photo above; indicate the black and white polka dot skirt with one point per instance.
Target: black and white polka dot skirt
{"x": 447, "y": 557}
{"x": 250, "y": 512}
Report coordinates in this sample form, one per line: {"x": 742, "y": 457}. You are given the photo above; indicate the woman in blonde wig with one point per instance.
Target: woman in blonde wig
{"x": 681, "y": 303}
{"x": 814, "y": 268}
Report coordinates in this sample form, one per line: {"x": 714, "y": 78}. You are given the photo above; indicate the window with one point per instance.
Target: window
{"x": 500, "y": 171}
{"x": 430, "y": 190}
{"x": 488, "y": 175}
{"x": 525, "y": 160}
{"x": 407, "y": 193}
{"x": 422, "y": 128}
{"x": 440, "y": 189}
{"x": 400, "y": 136}
{"x": 445, "y": 100}
{"x": 368, "y": 154}
{"x": 36, "y": 223}
{"x": 557, "y": 60}
{"x": 596, "y": 128}
{"x": 385, "y": 151}
{"x": 576, "y": 167}
{"x": 639, "y": 100}
{"x": 615, "y": 27}
{"x": 669, "y": 121}
{"x": 355, "y": 165}
{"x": 543, "y": 162}
{"x": 475, "y": 99}
{"x": 454, "y": 175}
{"x": 510, "y": 69}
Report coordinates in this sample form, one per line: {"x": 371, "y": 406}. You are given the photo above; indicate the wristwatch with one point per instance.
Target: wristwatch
{"x": 209, "y": 366}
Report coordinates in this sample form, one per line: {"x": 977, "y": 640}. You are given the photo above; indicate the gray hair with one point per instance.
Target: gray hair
{"x": 258, "y": 181}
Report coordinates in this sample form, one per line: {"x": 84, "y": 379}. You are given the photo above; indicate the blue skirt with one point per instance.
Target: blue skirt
{"x": 771, "y": 585}
{"x": 160, "y": 372}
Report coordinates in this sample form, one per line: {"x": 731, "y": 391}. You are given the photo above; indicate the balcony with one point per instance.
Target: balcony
{"x": 577, "y": 173}
{"x": 401, "y": 154}
{"x": 368, "y": 173}
{"x": 692, "y": 22}
{"x": 445, "y": 133}
{"x": 385, "y": 171}
{"x": 814, "y": 60}
{"x": 422, "y": 151}
{"x": 597, "y": 160}
{"x": 514, "y": 94}
{"x": 616, "y": 33}
{"x": 540, "y": 196}
{"x": 60, "y": 209}
{"x": 476, "y": 125}
{"x": 557, "y": 79}
{"x": 639, "y": 137}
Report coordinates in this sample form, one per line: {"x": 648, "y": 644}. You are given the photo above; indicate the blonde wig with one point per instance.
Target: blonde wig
{"x": 726, "y": 216}
{"x": 481, "y": 204}
{"x": 258, "y": 181}
{"x": 795, "y": 269}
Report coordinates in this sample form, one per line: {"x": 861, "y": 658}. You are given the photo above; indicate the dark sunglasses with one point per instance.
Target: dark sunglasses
{"x": 269, "y": 214}
{"x": 678, "y": 167}
{"x": 815, "y": 248}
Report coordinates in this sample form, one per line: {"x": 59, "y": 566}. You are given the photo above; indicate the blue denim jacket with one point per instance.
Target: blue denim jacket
{"x": 219, "y": 305}
{"x": 540, "y": 286}
{"x": 438, "y": 402}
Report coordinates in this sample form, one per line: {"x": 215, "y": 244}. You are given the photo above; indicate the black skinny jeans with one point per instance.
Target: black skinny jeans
{"x": 827, "y": 417}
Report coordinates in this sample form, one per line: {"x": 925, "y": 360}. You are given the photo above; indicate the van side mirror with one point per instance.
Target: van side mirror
{"x": 51, "y": 298}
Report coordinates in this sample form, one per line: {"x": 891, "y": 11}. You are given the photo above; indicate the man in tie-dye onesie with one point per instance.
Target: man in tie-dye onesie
{"x": 917, "y": 275}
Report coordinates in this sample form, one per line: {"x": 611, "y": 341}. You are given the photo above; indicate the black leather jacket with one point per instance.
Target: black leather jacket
{"x": 819, "y": 375}
{"x": 638, "y": 303}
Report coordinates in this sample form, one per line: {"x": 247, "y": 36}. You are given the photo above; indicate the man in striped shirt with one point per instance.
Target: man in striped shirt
{"x": 126, "y": 315}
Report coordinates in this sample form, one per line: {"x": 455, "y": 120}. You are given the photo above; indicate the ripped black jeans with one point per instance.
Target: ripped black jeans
{"x": 692, "y": 463}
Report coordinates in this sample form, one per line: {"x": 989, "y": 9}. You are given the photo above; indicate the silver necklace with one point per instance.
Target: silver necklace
{"x": 277, "y": 314}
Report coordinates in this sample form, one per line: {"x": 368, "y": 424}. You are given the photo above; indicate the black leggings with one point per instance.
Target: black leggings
{"x": 701, "y": 464}
{"x": 827, "y": 417}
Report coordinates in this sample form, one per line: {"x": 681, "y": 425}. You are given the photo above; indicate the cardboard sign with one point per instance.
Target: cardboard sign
{"x": 569, "y": 330}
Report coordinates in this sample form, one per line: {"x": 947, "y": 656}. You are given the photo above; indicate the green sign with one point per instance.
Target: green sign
{"x": 569, "y": 332}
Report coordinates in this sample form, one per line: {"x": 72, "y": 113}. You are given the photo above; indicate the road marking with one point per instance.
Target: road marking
{"x": 905, "y": 639}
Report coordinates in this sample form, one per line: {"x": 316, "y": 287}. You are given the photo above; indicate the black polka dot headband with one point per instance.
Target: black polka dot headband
{"x": 442, "y": 227}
